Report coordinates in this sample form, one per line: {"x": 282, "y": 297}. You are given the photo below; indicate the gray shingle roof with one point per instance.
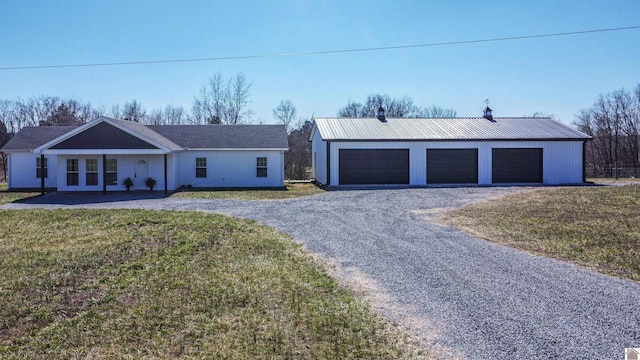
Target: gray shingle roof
{"x": 174, "y": 137}
{"x": 29, "y": 138}
{"x": 144, "y": 131}
{"x": 359, "y": 129}
{"x": 225, "y": 136}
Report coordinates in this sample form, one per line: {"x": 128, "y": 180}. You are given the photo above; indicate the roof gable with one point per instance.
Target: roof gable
{"x": 103, "y": 136}
{"x": 416, "y": 129}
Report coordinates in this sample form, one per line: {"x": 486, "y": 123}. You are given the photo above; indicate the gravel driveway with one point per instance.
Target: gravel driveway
{"x": 462, "y": 296}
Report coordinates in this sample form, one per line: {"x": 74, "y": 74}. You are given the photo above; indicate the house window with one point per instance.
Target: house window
{"x": 38, "y": 168}
{"x": 201, "y": 167}
{"x": 261, "y": 167}
{"x": 72, "y": 172}
{"x": 111, "y": 174}
{"x": 92, "y": 171}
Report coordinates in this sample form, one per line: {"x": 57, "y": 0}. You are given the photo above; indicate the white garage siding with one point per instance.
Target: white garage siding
{"x": 319, "y": 158}
{"x": 562, "y": 160}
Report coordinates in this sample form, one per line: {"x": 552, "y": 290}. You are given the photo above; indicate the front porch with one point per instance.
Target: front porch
{"x": 107, "y": 172}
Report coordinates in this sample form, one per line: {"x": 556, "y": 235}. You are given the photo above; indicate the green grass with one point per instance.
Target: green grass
{"x": 161, "y": 284}
{"x": 596, "y": 227}
{"x": 8, "y": 197}
{"x": 290, "y": 191}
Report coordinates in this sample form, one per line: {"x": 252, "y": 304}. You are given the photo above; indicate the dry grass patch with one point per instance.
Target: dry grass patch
{"x": 292, "y": 190}
{"x": 9, "y": 197}
{"x": 613, "y": 181}
{"x": 161, "y": 284}
{"x": 597, "y": 227}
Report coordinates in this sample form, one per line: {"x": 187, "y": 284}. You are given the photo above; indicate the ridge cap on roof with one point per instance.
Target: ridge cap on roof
{"x": 439, "y": 118}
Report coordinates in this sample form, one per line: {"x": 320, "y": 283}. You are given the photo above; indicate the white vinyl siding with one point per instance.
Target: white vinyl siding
{"x": 319, "y": 150}
{"x": 21, "y": 174}
{"x": 233, "y": 168}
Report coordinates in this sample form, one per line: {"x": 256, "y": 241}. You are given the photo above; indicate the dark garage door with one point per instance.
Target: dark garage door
{"x": 517, "y": 165}
{"x": 374, "y": 166}
{"x": 452, "y": 166}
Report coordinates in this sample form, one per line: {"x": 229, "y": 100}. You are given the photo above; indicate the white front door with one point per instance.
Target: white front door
{"x": 141, "y": 172}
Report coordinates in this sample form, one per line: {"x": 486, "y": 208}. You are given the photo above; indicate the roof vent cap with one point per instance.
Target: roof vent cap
{"x": 487, "y": 112}
{"x": 381, "y": 116}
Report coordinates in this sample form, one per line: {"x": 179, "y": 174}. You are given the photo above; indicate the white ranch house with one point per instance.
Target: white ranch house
{"x": 100, "y": 155}
{"x": 426, "y": 151}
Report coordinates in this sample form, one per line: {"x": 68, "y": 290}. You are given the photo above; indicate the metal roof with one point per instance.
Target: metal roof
{"x": 405, "y": 129}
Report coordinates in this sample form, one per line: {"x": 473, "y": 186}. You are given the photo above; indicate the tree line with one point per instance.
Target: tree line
{"x": 613, "y": 121}
{"x": 220, "y": 101}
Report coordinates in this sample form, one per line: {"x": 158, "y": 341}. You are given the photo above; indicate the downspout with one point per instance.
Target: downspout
{"x": 166, "y": 186}
{"x": 104, "y": 174}
{"x": 41, "y": 174}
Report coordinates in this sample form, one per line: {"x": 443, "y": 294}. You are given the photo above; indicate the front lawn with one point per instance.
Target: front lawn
{"x": 597, "y": 227}
{"x": 160, "y": 284}
{"x": 291, "y": 190}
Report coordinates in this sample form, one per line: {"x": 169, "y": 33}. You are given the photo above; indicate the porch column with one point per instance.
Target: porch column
{"x": 104, "y": 174}
{"x": 41, "y": 174}
{"x": 166, "y": 186}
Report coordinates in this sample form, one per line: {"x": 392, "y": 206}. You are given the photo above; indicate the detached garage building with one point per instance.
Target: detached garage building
{"x": 487, "y": 150}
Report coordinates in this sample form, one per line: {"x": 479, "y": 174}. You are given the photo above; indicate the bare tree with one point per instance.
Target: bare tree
{"x": 238, "y": 111}
{"x": 175, "y": 115}
{"x": 209, "y": 105}
{"x": 297, "y": 161}
{"x": 223, "y": 102}
{"x": 403, "y": 107}
{"x": 133, "y": 111}
{"x": 9, "y": 115}
{"x": 285, "y": 113}
{"x": 155, "y": 117}
{"x": 352, "y": 110}
{"x": 434, "y": 111}
{"x": 613, "y": 121}
{"x": 4, "y": 137}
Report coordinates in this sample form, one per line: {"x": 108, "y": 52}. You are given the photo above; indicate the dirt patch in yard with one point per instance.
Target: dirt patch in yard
{"x": 425, "y": 332}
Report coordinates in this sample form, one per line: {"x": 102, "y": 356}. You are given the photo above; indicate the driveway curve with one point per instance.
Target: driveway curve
{"x": 462, "y": 296}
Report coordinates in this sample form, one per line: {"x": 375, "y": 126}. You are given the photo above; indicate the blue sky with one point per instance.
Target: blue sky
{"x": 558, "y": 75}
